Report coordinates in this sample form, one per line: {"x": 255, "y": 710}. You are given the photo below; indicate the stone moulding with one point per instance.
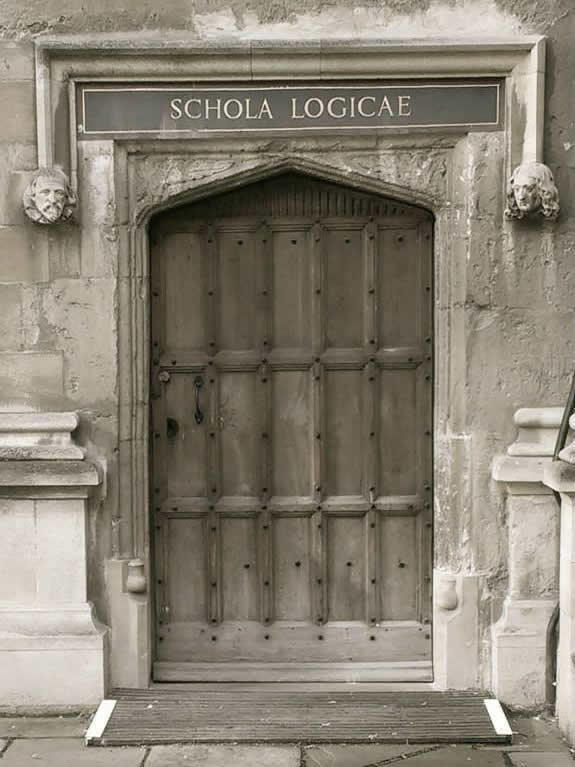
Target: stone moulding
{"x": 38, "y": 436}
{"x": 62, "y": 61}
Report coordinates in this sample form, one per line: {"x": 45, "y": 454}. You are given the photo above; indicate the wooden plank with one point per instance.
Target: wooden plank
{"x": 297, "y": 641}
{"x": 289, "y": 672}
{"x": 237, "y": 279}
{"x": 400, "y": 432}
{"x": 399, "y": 286}
{"x": 291, "y": 288}
{"x": 293, "y": 566}
{"x": 343, "y": 427}
{"x": 347, "y": 568}
{"x": 241, "y": 439}
{"x": 294, "y": 403}
{"x": 185, "y": 273}
{"x": 239, "y": 569}
{"x": 319, "y": 566}
{"x": 344, "y": 283}
{"x": 399, "y": 568}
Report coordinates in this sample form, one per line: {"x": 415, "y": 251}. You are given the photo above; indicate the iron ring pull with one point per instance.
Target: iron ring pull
{"x": 198, "y": 386}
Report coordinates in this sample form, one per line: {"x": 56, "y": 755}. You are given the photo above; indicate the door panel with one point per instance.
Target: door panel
{"x": 291, "y": 420}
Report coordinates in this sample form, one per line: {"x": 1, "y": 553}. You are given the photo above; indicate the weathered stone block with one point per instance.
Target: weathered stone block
{"x": 82, "y": 315}
{"x": 519, "y": 653}
{"x": 18, "y": 554}
{"x": 11, "y": 208}
{"x": 533, "y": 546}
{"x": 60, "y": 550}
{"x": 10, "y": 316}
{"x": 23, "y": 255}
{"x": 64, "y": 251}
{"x": 32, "y": 378}
{"x": 18, "y": 117}
{"x": 16, "y": 61}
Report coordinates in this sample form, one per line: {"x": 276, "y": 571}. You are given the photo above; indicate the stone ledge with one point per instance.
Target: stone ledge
{"x": 14, "y": 474}
{"x": 42, "y": 436}
{"x": 521, "y": 469}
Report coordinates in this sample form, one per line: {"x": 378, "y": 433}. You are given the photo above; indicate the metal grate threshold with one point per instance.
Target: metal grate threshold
{"x": 153, "y": 717}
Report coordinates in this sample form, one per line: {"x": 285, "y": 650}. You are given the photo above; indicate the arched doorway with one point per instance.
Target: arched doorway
{"x": 292, "y": 421}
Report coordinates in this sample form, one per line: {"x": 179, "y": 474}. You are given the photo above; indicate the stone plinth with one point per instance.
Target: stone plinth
{"x": 52, "y": 649}
{"x": 519, "y": 637}
{"x": 561, "y": 478}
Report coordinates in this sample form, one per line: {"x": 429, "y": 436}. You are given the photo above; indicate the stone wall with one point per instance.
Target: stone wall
{"x": 59, "y": 304}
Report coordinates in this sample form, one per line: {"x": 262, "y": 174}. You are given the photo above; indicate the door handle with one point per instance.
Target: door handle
{"x": 198, "y": 386}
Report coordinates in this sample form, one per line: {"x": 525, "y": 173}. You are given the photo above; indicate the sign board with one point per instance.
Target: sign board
{"x": 170, "y": 109}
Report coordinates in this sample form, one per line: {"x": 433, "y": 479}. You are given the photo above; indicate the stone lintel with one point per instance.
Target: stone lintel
{"x": 15, "y": 474}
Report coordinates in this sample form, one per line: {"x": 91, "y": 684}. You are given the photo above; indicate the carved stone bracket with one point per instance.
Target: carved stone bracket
{"x": 49, "y": 198}
{"x": 531, "y": 192}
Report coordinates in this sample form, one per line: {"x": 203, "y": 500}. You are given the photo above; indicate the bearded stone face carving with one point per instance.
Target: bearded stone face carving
{"x": 49, "y": 197}
{"x": 531, "y": 192}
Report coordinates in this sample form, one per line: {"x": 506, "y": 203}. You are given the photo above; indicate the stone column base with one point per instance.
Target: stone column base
{"x": 520, "y": 653}
{"x": 51, "y": 656}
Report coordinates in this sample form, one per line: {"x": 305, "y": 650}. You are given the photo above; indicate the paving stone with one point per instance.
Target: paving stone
{"x": 68, "y": 752}
{"x": 354, "y": 756}
{"x": 535, "y": 734}
{"x": 223, "y": 756}
{"x": 541, "y": 759}
{"x": 458, "y": 756}
{"x": 43, "y": 727}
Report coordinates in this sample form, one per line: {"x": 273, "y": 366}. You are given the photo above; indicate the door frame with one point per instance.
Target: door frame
{"x": 446, "y": 180}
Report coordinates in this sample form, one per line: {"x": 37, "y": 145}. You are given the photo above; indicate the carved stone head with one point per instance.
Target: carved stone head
{"x": 532, "y": 191}
{"x": 49, "y": 197}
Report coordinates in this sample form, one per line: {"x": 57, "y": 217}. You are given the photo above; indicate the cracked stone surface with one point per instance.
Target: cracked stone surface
{"x": 68, "y": 752}
{"x": 355, "y": 756}
{"x": 221, "y": 756}
{"x": 458, "y": 756}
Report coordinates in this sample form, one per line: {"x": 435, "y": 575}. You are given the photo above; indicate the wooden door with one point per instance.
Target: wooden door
{"x": 291, "y": 436}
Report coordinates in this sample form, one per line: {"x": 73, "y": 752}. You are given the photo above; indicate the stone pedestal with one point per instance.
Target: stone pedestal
{"x": 561, "y": 478}
{"x": 519, "y": 637}
{"x": 52, "y": 649}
